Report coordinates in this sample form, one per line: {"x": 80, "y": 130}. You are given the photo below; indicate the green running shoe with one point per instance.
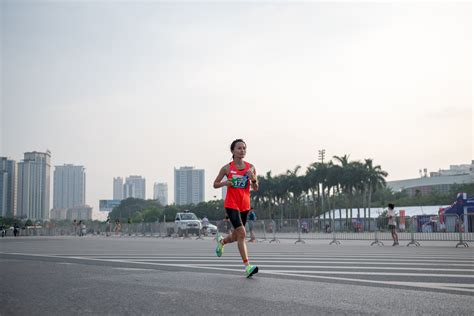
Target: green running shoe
{"x": 250, "y": 270}
{"x": 220, "y": 246}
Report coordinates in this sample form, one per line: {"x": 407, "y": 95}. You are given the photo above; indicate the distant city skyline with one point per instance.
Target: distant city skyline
{"x": 126, "y": 88}
{"x": 72, "y": 176}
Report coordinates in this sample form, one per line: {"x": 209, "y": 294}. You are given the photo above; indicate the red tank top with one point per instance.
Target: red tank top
{"x": 238, "y": 194}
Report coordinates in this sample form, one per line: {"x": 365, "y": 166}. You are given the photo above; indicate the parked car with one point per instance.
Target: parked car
{"x": 187, "y": 222}
{"x": 211, "y": 229}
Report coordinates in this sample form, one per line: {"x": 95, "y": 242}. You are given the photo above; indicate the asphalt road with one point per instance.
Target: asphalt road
{"x": 143, "y": 276}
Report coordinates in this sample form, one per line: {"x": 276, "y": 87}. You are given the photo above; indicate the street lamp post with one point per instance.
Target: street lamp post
{"x": 321, "y": 154}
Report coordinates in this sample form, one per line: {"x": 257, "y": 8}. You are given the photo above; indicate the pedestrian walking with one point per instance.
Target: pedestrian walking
{"x": 74, "y": 227}
{"x": 251, "y": 220}
{"x": 205, "y": 225}
{"x": 16, "y": 230}
{"x": 118, "y": 227}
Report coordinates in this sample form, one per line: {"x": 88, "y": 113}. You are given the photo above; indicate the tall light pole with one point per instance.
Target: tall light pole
{"x": 321, "y": 154}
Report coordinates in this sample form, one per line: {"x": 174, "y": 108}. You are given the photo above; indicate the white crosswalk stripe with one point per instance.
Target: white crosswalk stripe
{"x": 428, "y": 271}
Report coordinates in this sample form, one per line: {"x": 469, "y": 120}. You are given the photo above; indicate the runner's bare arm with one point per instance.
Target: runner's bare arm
{"x": 252, "y": 173}
{"x": 218, "y": 183}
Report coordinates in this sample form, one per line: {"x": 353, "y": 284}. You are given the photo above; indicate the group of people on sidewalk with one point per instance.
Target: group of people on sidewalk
{"x": 79, "y": 228}
{"x": 15, "y": 227}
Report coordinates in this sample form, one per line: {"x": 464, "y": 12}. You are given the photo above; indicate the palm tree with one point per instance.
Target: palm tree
{"x": 376, "y": 180}
{"x": 313, "y": 178}
{"x": 278, "y": 193}
{"x": 261, "y": 198}
{"x": 345, "y": 179}
{"x": 332, "y": 184}
{"x": 295, "y": 187}
{"x": 359, "y": 178}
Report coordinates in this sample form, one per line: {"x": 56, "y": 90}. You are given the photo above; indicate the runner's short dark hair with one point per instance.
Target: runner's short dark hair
{"x": 232, "y": 146}
{"x": 239, "y": 140}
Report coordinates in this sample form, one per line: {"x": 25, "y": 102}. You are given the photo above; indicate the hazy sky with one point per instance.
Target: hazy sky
{"x": 141, "y": 88}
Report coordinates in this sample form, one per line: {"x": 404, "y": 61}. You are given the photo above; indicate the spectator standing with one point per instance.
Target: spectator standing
{"x": 392, "y": 223}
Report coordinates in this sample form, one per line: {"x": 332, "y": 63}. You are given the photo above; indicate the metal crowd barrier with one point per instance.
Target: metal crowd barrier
{"x": 414, "y": 230}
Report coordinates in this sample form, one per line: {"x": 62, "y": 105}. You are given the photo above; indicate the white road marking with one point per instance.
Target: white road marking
{"x": 373, "y": 273}
{"x": 310, "y": 274}
{"x": 257, "y": 257}
{"x": 133, "y": 269}
{"x": 439, "y": 286}
{"x": 349, "y": 256}
{"x": 238, "y": 259}
{"x": 336, "y": 267}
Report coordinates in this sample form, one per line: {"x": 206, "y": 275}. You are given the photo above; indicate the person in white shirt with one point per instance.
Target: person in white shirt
{"x": 392, "y": 223}
{"x": 205, "y": 225}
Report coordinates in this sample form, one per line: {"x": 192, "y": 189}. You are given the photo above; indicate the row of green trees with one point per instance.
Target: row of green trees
{"x": 275, "y": 199}
{"x": 337, "y": 184}
{"x": 138, "y": 210}
{"x": 323, "y": 186}
{"x": 9, "y": 222}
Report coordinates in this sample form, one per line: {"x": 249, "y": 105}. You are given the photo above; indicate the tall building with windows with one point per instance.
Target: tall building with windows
{"x": 8, "y": 187}
{"x": 160, "y": 193}
{"x": 188, "y": 185}
{"x": 69, "y": 186}
{"x": 118, "y": 188}
{"x": 134, "y": 187}
{"x": 34, "y": 174}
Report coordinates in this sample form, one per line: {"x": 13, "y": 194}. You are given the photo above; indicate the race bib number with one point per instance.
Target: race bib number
{"x": 239, "y": 182}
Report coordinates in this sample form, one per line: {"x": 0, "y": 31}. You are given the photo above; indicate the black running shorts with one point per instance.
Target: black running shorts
{"x": 236, "y": 217}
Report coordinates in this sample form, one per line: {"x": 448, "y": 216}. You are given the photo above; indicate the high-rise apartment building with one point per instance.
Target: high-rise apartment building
{"x": 69, "y": 186}
{"x": 34, "y": 186}
{"x": 188, "y": 185}
{"x": 134, "y": 187}
{"x": 8, "y": 187}
{"x": 118, "y": 188}
{"x": 160, "y": 193}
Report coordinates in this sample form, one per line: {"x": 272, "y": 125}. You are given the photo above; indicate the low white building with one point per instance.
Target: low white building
{"x": 83, "y": 212}
{"x": 440, "y": 181}
{"x": 59, "y": 214}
